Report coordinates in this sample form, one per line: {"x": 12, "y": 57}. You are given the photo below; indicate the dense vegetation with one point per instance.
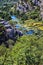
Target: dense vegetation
{"x": 10, "y": 9}
{"x": 28, "y": 50}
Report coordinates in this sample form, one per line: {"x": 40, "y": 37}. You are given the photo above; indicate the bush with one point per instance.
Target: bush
{"x": 28, "y": 50}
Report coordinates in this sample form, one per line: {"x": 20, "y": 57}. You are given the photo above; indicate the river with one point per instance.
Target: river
{"x": 14, "y": 18}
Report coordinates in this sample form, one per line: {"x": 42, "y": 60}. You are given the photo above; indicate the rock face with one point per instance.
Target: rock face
{"x": 41, "y": 8}
{"x": 23, "y": 6}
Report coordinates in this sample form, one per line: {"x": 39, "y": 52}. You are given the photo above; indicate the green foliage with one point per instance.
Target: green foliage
{"x": 5, "y": 15}
{"x": 24, "y": 17}
{"x": 34, "y": 14}
{"x": 28, "y": 50}
{"x": 12, "y": 22}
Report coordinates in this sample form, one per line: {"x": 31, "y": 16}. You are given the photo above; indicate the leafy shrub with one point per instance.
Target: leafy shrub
{"x": 28, "y": 50}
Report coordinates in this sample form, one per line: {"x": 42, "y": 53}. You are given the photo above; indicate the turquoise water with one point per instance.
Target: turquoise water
{"x": 13, "y": 17}
{"x": 30, "y": 32}
{"x": 20, "y": 26}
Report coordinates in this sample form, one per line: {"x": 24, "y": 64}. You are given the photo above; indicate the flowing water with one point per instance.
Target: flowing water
{"x": 14, "y": 18}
